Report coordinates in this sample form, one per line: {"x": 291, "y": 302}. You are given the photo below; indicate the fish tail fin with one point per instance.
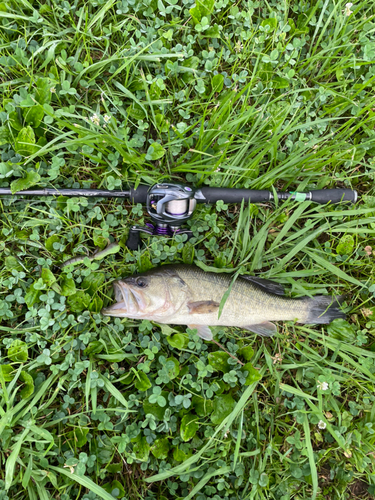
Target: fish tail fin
{"x": 323, "y": 309}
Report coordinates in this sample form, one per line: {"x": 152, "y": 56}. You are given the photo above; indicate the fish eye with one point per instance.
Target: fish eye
{"x": 141, "y": 283}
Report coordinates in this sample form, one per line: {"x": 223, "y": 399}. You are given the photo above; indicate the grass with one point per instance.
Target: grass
{"x": 260, "y": 95}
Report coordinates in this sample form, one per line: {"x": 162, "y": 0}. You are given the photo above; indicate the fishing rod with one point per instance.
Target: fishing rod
{"x": 171, "y": 205}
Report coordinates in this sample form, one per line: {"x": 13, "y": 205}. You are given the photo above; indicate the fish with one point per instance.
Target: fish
{"x": 186, "y": 295}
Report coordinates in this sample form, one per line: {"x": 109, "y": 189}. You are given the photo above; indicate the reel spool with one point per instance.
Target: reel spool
{"x": 171, "y": 204}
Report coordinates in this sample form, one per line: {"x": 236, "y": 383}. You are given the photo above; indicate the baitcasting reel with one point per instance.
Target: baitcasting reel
{"x": 169, "y": 206}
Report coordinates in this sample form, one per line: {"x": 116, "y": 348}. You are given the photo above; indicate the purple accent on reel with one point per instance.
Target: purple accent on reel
{"x": 160, "y": 231}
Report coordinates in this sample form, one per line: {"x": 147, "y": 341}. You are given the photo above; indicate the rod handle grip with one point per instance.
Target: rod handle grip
{"x": 139, "y": 195}
{"x": 323, "y": 196}
{"x": 233, "y": 195}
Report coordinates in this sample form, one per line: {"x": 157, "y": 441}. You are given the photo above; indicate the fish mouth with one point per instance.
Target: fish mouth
{"x": 129, "y": 302}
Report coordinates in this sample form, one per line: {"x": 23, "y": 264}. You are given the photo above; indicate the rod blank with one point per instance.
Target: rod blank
{"x": 91, "y": 193}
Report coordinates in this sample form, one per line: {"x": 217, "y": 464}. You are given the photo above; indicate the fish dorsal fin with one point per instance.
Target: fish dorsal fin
{"x": 203, "y": 307}
{"x": 268, "y": 285}
{"x": 265, "y": 329}
{"x": 203, "y": 331}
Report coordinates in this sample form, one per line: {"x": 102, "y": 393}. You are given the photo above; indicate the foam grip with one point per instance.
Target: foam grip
{"x": 333, "y": 195}
{"x": 232, "y": 195}
{"x": 139, "y": 195}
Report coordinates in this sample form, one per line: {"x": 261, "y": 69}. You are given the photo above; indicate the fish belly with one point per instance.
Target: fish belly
{"x": 243, "y": 312}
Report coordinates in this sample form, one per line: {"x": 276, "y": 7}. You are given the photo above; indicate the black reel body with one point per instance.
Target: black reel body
{"x": 169, "y": 206}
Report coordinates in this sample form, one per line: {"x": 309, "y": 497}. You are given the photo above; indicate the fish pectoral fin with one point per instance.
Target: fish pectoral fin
{"x": 203, "y": 331}
{"x": 266, "y": 329}
{"x": 203, "y": 307}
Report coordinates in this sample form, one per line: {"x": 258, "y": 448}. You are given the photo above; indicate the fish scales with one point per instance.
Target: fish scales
{"x": 187, "y": 295}
{"x": 246, "y": 304}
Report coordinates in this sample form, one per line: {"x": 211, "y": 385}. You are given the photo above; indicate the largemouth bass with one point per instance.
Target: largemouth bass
{"x": 187, "y": 295}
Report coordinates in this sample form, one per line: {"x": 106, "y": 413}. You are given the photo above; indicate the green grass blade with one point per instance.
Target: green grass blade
{"x": 114, "y": 391}
{"x": 297, "y": 392}
{"x": 238, "y": 441}
{"x": 84, "y": 481}
{"x": 310, "y": 454}
{"x": 11, "y": 461}
{"x": 100, "y": 14}
{"x": 219, "y": 472}
{"x": 333, "y": 269}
